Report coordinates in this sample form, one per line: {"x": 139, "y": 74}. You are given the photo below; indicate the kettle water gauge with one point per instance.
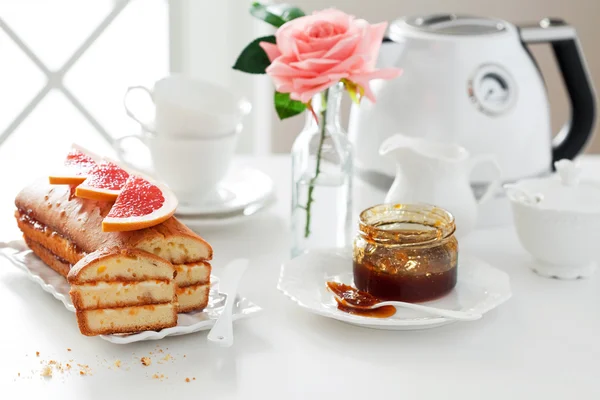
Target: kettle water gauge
{"x": 492, "y": 90}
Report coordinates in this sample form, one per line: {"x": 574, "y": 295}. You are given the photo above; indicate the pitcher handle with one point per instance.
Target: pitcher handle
{"x": 128, "y": 110}
{"x": 495, "y": 184}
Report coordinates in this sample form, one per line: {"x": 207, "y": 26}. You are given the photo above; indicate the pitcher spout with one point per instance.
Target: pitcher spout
{"x": 448, "y": 152}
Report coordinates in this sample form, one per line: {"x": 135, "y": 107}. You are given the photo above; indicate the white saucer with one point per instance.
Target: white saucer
{"x": 52, "y": 282}
{"x": 480, "y": 288}
{"x": 241, "y": 189}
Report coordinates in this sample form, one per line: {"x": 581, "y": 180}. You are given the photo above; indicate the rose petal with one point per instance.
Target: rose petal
{"x": 376, "y": 38}
{"x": 319, "y": 44}
{"x": 352, "y": 63}
{"x": 311, "y": 55}
{"x": 335, "y": 16}
{"x": 303, "y": 46}
{"x": 384, "y": 73}
{"x": 361, "y": 28}
{"x": 308, "y": 94}
{"x": 364, "y": 79}
{"x": 315, "y": 65}
{"x": 302, "y": 82}
{"x": 271, "y": 50}
{"x": 281, "y": 67}
{"x": 343, "y": 49}
{"x": 282, "y": 85}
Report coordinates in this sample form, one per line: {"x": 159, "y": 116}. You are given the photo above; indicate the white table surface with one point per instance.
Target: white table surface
{"x": 544, "y": 343}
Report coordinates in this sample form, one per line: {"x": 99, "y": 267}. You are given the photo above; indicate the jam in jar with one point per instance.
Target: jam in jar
{"x": 405, "y": 252}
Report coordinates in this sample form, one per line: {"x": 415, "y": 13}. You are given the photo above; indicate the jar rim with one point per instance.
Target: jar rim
{"x": 440, "y": 223}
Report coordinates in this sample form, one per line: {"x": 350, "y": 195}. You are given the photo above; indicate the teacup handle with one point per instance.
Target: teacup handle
{"x": 128, "y": 110}
{"x": 121, "y": 152}
{"x": 494, "y": 184}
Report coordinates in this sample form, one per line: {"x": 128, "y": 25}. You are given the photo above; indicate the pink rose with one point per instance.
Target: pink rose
{"x": 315, "y": 51}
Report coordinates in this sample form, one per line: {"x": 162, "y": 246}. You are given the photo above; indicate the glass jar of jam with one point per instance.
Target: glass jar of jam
{"x": 405, "y": 252}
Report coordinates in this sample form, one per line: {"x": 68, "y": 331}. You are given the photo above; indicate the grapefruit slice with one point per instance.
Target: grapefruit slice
{"x": 104, "y": 182}
{"x": 141, "y": 204}
{"x": 76, "y": 167}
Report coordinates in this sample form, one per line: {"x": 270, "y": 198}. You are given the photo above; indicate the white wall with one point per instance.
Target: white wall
{"x": 207, "y": 38}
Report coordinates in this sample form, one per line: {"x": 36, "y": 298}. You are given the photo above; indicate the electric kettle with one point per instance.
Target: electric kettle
{"x": 472, "y": 81}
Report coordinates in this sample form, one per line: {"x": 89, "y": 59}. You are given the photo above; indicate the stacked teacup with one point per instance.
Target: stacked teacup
{"x": 192, "y": 135}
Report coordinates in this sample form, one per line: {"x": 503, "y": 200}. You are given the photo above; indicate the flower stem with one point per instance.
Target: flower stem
{"x": 311, "y": 185}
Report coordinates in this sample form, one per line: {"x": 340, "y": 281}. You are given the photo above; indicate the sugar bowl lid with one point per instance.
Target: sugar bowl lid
{"x": 563, "y": 191}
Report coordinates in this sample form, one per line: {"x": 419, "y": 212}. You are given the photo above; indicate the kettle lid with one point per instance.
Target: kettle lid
{"x": 449, "y": 24}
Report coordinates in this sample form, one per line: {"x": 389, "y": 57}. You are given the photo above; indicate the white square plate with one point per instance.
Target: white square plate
{"x": 52, "y": 282}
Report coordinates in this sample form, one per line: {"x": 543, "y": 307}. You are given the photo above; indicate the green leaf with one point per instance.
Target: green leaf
{"x": 261, "y": 12}
{"x": 286, "y": 11}
{"x": 275, "y": 14}
{"x": 253, "y": 58}
{"x": 287, "y": 107}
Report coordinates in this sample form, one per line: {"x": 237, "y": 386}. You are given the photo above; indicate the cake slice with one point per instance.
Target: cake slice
{"x": 104, "y": 321}
{"x": 123, "y": 291}
{"x": 193, "y": 297}
{"x": 122, "y": 294}
{"x": 192, "y": 273}
{"x": 193, "y": 286}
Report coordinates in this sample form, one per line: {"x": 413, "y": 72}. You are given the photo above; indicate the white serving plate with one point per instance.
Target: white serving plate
{"x": 52, "y": 282}
{"x": 480, "y": 288}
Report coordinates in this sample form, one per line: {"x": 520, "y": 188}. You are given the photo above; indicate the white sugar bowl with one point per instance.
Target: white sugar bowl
{"x": 557, "y": 220}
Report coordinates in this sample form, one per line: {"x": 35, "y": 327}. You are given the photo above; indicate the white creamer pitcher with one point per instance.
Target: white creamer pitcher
{"x": 438, "y": 174}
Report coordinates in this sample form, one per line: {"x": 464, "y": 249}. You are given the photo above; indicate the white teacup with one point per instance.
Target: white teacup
{"x": 186, "y": 107}
{"x": 191, "y": 167}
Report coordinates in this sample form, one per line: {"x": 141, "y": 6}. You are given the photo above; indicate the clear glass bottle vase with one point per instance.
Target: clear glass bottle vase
{"x": 322, "y": 177}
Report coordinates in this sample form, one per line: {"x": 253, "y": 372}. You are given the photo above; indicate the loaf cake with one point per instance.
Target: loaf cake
{"x": 63, "y": 230}
{"x": 123, "y": 291}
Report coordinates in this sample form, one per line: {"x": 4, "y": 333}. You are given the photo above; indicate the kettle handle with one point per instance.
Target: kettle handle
{"x": 575, "y": 133}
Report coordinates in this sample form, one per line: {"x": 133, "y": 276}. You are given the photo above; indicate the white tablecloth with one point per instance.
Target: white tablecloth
{"x": 542, "y": 344}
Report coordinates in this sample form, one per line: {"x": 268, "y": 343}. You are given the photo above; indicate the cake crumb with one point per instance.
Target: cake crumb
{"x": 68, "y": 366}
{"x": 118, "y": 363}
{"x": 18, "y": 374}
{"x": 187, "y": 379}
{"x": 37, "y": 353}
{"x": 47, "y": 371}
{"x": 146, "y": 361}
{"x": 184, "y": 356}
{"x": 160, "y": 377}
{"x": 194, "y": 378}
{"x": 68, "y": 349}
{"x": 167, "y": 357}
{"x": 84, "y": 369}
